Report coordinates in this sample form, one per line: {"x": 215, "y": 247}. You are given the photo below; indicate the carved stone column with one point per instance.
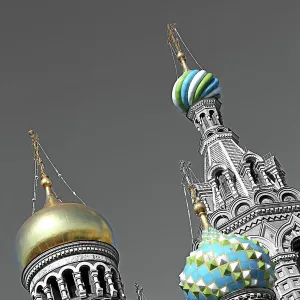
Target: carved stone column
{"x": 48, "y": 293}
{"x": 219, "y": 200}
{"x": 108, "y": 277}
{"x": 79, "y": 285}
{"x": 63, "y": 289}
{"x": 276, "y": 175}
{"x": 120, "y": 287}
{"x": 38, "y": 297}
{"x": 98, "y": 288}
{"x": 248, "y": 172}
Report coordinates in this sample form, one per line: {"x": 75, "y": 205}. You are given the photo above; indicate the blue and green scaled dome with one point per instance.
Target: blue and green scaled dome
{"x": 192, "y": 86}
{"x": 223, "y": 264}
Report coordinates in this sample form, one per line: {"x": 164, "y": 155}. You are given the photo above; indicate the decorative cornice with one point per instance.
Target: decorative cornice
{"x": 285, "y": 256}
{"x": 66, "y": 250}
{"x": 216, "y": 137}
{"x": 257, "y": 211}
{"x": 251, "y": 293}
{"x": 208, "y": 102}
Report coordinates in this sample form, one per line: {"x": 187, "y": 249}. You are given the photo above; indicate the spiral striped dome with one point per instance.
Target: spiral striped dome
{"x": 223, "y": 264}
{"x": 192, "y": 86}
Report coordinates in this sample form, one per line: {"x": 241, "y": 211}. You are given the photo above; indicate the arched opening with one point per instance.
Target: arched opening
{"x": 222, "y": 184}
{"x": 241, "y": 208}
{"x": 70, "y": 283}
{"x": 101, "y": 278}
{"x": 220, "y": 130}
{"x": 265, "y": 199}
{"x": 52, "y": 283}
{"x": 85, "y": 275}
{"x": 288, "y": 197}
{"x": 220, "y": 221}
{"x": 210, "y": 134}
{"x": 41, "y": 293}
{"x": 114, "y": 279}
{"x": 253, "y": 171}
{"x": 295, "y": 244}
{"x": 204, "y": 121}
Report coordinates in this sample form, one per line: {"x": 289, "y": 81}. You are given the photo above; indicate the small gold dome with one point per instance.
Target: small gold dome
{"x": 59, "y": 223}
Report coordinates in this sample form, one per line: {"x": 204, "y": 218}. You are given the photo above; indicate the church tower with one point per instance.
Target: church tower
{"x": 244, "y": 193}
{"x": 66, "y": 250}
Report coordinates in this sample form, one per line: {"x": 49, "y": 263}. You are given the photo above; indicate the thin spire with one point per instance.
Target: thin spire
{"x": 46, "y": 182}
{"x": 173, "y": 41}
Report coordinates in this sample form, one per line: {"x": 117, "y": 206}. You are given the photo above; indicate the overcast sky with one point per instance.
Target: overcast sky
{"x": 94, "y": 79}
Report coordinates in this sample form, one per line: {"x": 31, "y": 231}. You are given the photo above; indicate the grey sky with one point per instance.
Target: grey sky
{"x": 94, "y": 79}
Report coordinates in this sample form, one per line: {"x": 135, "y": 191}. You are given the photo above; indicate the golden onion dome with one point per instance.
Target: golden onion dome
{"x": 57, "y": 224}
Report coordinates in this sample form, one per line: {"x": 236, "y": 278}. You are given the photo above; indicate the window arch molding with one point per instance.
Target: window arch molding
{"x": 288, "y": 191}
{"x": 234, "y": 205}
{"x": 211, "y": 172}
{"x": 261, "y": 195}
{"x": 216, "y": 214}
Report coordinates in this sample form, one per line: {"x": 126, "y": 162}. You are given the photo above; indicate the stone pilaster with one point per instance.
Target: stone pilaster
{"x": 79, "y": 284}
{"x": 48, "y": 293}
{"x": 63, "y": 289}
{"x": 111, "y": 289}
{"x": 98, "y": 288}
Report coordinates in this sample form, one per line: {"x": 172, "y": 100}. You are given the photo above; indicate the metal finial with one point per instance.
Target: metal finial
{"x": 199, "y": 208}
{"x": 173, "y": 41}
{"x": 35, "y": 144}
{"x": 46, "y": 182}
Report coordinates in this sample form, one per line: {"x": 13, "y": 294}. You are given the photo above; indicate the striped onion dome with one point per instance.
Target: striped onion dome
{"x": 223, "y": 264}
{"x": 192, "y": 86}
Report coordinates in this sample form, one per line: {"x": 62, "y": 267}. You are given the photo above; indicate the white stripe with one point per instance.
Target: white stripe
{"x": 194, "y": 84}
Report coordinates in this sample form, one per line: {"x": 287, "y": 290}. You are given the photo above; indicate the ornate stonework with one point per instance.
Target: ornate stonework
{"x": 76, "y": 270}
{"x": 247, "y": 194}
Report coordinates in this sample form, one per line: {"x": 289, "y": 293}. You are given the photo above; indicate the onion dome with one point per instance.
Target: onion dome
{"x": 192, "y": 86}
{"x": 59, "y": 223}
{"x": 224, "y": 263}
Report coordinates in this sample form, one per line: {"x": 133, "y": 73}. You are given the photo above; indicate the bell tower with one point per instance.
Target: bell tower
{"x": 66, "y": 250}
{"x": 244, "y": 193}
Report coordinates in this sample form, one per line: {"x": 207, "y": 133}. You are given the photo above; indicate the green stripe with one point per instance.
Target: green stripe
{"x": 203, "y": 84}
{"x": 178, "y": 90}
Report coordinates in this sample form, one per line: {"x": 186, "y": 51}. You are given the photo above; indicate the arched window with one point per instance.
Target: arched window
{"x": 70, "y": 283}
{"x": 204, "y": 121}
{"x": 253, "y": 172}
{"x": 220, "y": 221}
{"x": 295, "y": 244}
{"x": 52, "y": 282}
{"x": 241, "y": 208}
{"x": 101, "y": 278}
{"x": 114, "y": 279}
{"x": 288, "y": 197}
{"x": 85, "y": 275}
{"x": 214, "y": 117}
{"x": 222, "y": 184}
{"x": 265, "y": 199}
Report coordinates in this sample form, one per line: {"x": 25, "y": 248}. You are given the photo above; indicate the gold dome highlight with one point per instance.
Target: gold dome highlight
{"x": 60, "y": 224}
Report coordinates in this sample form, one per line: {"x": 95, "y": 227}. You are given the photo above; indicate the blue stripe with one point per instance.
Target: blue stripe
{"x": 214, "y": 84}
{"x": 185, "y": 87}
